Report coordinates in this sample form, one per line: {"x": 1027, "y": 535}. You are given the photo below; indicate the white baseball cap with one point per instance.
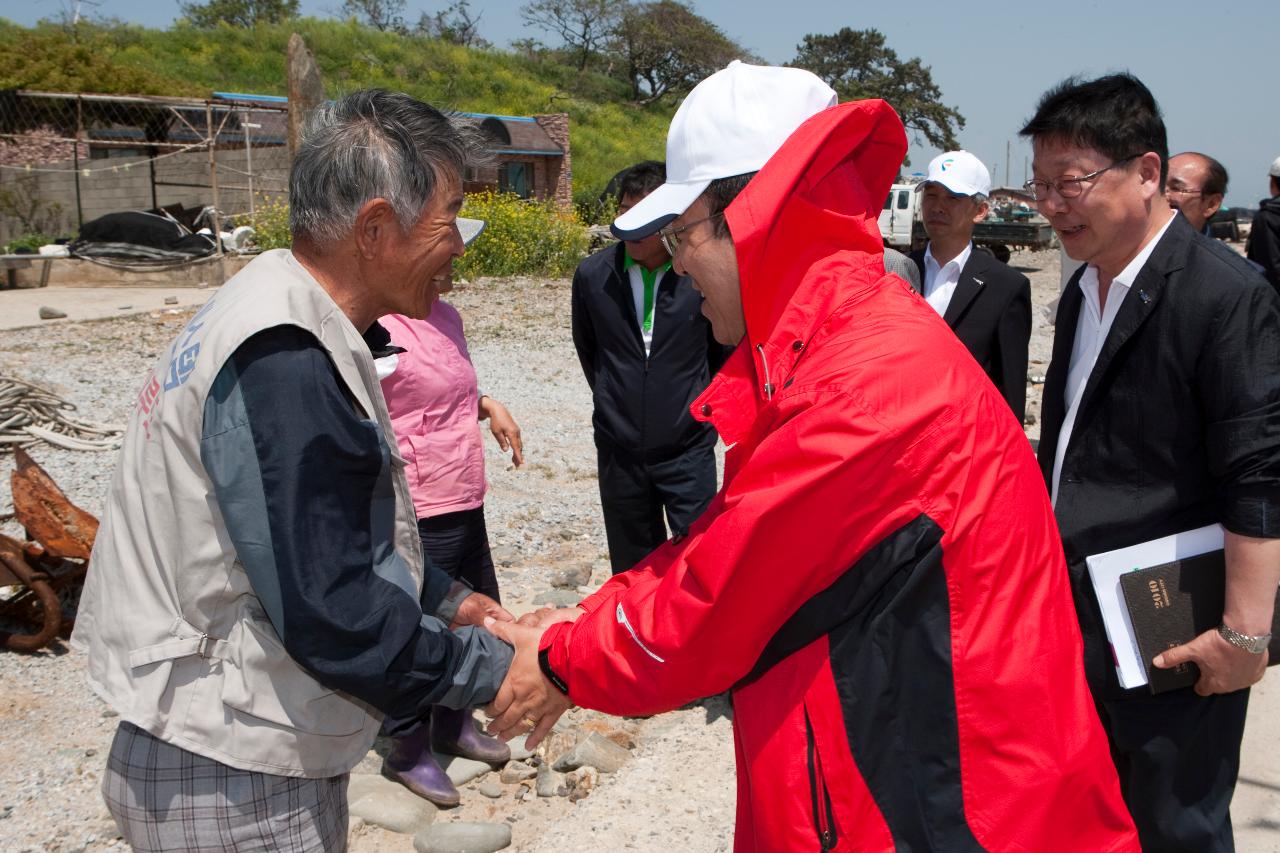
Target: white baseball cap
{"x": 469, "y": 229}
{"x": 960, "y": 172}
{"x": 730, "y": 124}
{"x": 1275, "y": 168}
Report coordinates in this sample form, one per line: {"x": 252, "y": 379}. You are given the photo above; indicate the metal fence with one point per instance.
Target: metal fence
{"x": 66, "y": 159}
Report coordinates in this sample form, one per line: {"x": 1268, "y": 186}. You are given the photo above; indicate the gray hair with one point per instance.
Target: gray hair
{"x": 374, "y": 144}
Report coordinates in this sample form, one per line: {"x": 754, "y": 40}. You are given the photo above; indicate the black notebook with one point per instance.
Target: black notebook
{"x": 1173, "y": 603}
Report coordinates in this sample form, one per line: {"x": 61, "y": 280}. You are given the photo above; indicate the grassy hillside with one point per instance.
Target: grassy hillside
{"x": 607, "y": 132}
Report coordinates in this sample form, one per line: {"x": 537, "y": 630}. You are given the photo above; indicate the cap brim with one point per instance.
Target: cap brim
{"x": 954, "y": 190}
{"x": 469, "y": 229}
{"x": 657, "y": 210}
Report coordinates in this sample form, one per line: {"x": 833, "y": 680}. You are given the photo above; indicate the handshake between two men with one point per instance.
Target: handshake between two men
{"x": 527, "y": 702}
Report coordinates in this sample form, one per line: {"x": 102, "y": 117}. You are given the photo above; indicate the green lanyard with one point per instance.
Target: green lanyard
{"x": 650, "y": 280}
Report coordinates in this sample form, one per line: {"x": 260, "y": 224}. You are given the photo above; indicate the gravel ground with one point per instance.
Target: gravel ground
{"x": 676, "y": 793}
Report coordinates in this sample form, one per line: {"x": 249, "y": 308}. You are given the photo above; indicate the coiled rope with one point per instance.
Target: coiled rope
{"x": 29, "y": 413}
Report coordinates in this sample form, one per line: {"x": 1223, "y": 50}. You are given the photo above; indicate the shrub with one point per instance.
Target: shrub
{"x": 522, "y": 237}
{"x": 270, "y": 222}
{"x": 27, "y": 243}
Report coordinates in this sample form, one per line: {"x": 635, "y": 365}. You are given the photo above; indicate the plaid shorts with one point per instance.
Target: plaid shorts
{"x": 166, "y": 798}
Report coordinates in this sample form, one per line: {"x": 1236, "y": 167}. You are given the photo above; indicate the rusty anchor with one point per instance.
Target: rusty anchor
{"x": 48, "y": 569}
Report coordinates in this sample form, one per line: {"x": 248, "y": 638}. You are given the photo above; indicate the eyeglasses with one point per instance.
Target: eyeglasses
{"x": 1175, "y": 191}
{"x": 670, "y": 237}
{"x": 1069, "y": 186}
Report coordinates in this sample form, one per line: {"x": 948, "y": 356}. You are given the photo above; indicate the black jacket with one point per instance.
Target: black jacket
{"x": 642, "y": 405}
{"x": 990, "y": 312}
{"x": 1264, "y": 239}
{"x": 1179, "y": 425}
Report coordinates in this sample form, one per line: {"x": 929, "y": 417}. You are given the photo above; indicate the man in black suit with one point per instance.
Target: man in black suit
{"x": 984, "y": 302}
{"x": 647, "y": 351}
{"x": 1161, "y": 415}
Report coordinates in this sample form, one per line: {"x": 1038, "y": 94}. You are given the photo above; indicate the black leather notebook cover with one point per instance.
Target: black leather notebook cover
{"x": 1173, "y": 603}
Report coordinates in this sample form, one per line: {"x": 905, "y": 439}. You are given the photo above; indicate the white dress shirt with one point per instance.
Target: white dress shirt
{"x": 940, "y": 281}
{"x": 1091, "y": 333}
{"x": 636, "y": 277}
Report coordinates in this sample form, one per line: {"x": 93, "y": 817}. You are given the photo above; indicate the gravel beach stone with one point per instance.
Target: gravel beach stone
{"x": 463, "y": 838}
{"x": 517, "y": 771}
{"x": 395, "y": 808}
{"x": 595, "y": 750}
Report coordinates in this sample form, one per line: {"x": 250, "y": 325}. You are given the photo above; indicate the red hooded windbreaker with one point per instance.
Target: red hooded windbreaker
{"x": 880, "y": 581}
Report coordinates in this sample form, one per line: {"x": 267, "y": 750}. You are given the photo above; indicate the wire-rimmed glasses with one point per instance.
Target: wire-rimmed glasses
{"x": 670, "y": 237}
{"x": 1069, "y": 186}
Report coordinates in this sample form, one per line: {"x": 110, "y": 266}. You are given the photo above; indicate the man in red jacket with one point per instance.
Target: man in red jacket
{"x": 880, "y": 581}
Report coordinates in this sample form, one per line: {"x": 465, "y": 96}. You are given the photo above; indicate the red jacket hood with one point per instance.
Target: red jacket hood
{"x": 808, "y": 239}
{"x": 820, "y": 195}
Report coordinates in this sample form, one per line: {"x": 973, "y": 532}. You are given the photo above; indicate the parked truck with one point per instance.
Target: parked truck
{"x": 1010, "y": 225}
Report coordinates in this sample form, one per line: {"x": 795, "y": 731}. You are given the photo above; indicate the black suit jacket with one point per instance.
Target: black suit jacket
{"x": 990, "y": 312}
{"x": 642, "y": 405}
{"x": 1179, "y": 425}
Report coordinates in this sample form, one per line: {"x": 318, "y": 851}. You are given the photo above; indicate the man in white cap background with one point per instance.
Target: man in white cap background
{"x": 879, "y": 583}
{"x": 1264, "y": 238}
{"x": 987, "y": 304}
{"x": 646, "y": 353}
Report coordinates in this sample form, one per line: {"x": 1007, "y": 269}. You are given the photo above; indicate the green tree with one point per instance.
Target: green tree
{"x": 858, "y": 64}
{"x": 667, "y": 48}
{"x": 454, "y": 24}
{"x": 584, "y": 26}
{"x": 239, "y": 13}
{"x": 383, "y": 15}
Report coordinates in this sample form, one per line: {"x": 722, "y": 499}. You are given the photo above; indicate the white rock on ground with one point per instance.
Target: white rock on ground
{"x": 390, "y": 806}
{"x": 462, "y": 770}
{"x": 596, "y": 751}
{"x": 463, "y": 838}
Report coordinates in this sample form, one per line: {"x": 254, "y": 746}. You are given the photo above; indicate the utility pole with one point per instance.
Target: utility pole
{"x": 1008, "y": 152}
{"x": 75, "y": 10}
{"x": 248, "y": 159}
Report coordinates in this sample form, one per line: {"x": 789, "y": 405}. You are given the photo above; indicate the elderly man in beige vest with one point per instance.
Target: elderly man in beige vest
{"x": 257, "y": 605}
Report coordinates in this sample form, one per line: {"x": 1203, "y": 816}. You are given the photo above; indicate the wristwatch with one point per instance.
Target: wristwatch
{"x": 544, "y": 663}
{"x": 1252, "y": 645}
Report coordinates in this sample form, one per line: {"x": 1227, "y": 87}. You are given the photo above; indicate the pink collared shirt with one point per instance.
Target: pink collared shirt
{"x": 434, "y": 405}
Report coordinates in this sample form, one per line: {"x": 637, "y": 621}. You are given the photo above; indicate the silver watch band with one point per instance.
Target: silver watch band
{"x": 1252, "y": 645}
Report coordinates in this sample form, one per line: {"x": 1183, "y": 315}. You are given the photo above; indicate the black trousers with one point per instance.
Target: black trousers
{"x": 634, "y": 495}
{"x": 458, "y": 544}
{"x": 1178, "y": 755}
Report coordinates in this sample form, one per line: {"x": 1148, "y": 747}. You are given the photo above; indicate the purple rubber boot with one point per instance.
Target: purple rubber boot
{"x": 455, "y": 733}
{"x": 412, "y": 765}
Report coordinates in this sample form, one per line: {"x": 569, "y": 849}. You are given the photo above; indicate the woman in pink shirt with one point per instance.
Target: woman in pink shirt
{"x": 434, "y": 401}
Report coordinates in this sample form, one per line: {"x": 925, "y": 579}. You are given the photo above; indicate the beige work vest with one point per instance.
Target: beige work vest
{"x": 177, "y": 641}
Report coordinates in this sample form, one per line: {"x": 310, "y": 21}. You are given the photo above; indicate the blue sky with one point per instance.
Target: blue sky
{"x": 1209, "y": 64}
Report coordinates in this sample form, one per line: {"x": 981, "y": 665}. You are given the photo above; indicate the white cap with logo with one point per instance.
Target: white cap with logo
{"x": 730, "y": 124}
{"x": 960, "y": 172}
{"x": 1275, "y": 168}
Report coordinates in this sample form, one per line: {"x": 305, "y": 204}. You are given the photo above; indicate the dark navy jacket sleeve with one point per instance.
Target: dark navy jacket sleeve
{"x": 303, "y": 481}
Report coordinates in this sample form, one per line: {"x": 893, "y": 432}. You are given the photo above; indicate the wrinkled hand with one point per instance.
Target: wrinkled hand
{"x": 525, "y": 695}
{"x": 475, "y": 608}
{"x": 504, "y": 429}
{"x": 1223, "y": 667}
{"x": 547, "y": 616}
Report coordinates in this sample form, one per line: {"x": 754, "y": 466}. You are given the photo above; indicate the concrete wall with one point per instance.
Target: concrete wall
{"x": 74, "y": 272}
{"x": 117, "y": 184}
{"x": 120, "y": 183}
